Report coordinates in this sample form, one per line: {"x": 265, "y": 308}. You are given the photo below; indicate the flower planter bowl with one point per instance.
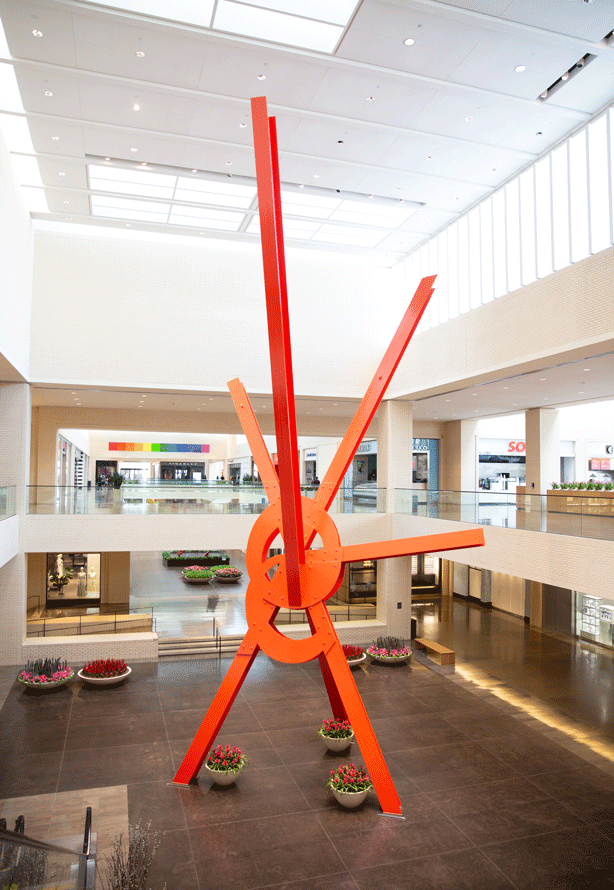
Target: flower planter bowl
{"x": 222, "y": 777}
{"x": 45, "y": 687}
{"x": 196, "y": 580}
{"x": 228, "y": 580}
{"x": 105, "y": 681}
{"x": 349, "y": 799}
{"x": 337, "y": 744}
{"x": 390, "y": 659}
{"x": 354, "y": 662}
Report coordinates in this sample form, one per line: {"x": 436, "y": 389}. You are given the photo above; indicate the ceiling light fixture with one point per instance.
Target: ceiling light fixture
{"x": 194, "y": 170}
{"x": 262, "y": 77}
{"x": 242, "y": 126}
{"x": 139, "y": 53}
{"x": 143, "y": 163}
{"x": 565, "y": 76}
{"x": 228, "y": 163}
{"x": 37, "y": 33}
{"x": 55, "y": 138}
{"x": 136, "y": 107}
{"x": 468, "y": 118}
{"x": 370, "y": 98}
{"x": 61, "y": 174}
{"x": 134, "y": 149}
{"x": 107, "y": 159}
{"x": 409, "y": 41}
{"x": 520, "y": 68}
{"x": 48, "y": 93}
{"x": 544, "y": 95}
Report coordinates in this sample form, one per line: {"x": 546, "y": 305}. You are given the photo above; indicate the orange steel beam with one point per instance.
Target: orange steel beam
{"x": 269, "y": 203}
{"x": 260, "y": 452}
{"x": 374, "y": 394}
{"x": 411, "y": 546}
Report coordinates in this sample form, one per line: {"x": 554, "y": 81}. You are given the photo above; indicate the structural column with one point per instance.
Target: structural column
{"x": 14, "y": 470}
{"x": 543, "y": 449}
{"x": 458, "y": 461}
{"x": 394, "y": 474}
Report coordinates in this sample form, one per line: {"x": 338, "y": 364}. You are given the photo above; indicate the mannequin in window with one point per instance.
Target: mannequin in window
{"x": 59, "y": 565}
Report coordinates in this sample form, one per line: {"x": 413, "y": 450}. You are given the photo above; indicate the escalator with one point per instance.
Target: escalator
{"x": 29, "y": 864}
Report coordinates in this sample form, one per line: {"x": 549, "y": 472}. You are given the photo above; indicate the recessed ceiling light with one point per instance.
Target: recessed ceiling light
{"x": 409, "y": 41}
{"x": 107, "y": 159}
{"x": 136, "y": 107}
{"x": 542, "y": 379}
{"x": 128, "y": 225}
{"x": 69, "y": 217}
{"x": 544, "y": 95}
{"x": 262, "y": 77}
{"x": 143, "y": 163}
{"x": 74, "y": 392}
{"x": 66, "y": 202}
{"x": 581, "y": 392}
{"x": 316, "y": 175}
{"x": 37, "y": 33}
{"x": 139, "y": 53}
{"x": 565, "y": 76}
{"x": 201, "y": 233}
{"x": 586, "y": 369}
{"x": 468, "y": 118}
{"x": 474, "y": 393}
{"x": 61, "y": 174}
{"x": 520, "y": 68}
{"x": 228, "y": 163}
{"x": 506, "y": 387}
{"x": 447, "y": 400}
{"x": 301, "y": 186}
{"x": 194, "y": 170}
{"x": 210, "y": 398}
{"x": 55, "y": 138}
{"x": 546, "y": 399}
{"x": 514, "y": 404}
{"x": 242, "y": 126}
{"x": 48, "y": 93}
{"x": 369, "y": 196}
{"x": 134, "y": 149}
{"x": 370, "y": 98}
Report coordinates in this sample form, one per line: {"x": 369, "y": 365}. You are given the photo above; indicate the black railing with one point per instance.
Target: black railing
{"x": 70, "y": 628}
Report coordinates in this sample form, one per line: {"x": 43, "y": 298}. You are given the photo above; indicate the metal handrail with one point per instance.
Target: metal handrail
{"x": 80, "y": 632}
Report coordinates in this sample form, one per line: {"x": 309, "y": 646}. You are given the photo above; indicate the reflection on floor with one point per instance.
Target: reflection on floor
{"x": 489, "y": 802}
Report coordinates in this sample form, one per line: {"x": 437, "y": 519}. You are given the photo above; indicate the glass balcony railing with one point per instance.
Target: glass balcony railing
{"x": 581, "y": 514}
{"x": 7, "y": 501}
{"x": 36, "y": 865}
{"x": 170, "y": 498}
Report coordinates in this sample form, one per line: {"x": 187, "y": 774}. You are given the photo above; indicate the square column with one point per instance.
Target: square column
{"x": 394, "y": 471}
{"x": 458, "y": 461}
{"x": 543, "y": 449}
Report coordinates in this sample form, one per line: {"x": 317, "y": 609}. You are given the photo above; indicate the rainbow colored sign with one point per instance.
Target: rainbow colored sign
{"x": 168, "y": 448}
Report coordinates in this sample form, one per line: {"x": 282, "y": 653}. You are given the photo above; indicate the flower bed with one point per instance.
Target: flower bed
{"x": 349, "y": 778}
{"x": 336, "y": 729}
{"x": 197, "y": 575}
{"x": 389, "y": 650}
{"x": 224, "y": 764}
{"x": 352, "y": 653}
{"x": 46, "y": 672}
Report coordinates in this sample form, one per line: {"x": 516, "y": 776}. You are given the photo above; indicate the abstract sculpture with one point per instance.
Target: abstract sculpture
{"x": 305, "y": 578}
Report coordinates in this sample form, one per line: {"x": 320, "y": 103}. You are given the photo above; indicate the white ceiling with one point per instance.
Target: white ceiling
{"x": 449, "y": 121}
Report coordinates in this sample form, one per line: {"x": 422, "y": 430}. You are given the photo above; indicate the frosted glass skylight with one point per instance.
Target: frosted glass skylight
{"x": 26, "y": 170}
{"x": 225, "y": 194}
{"x": 16, "y": 133}
{"x": 131, "y": 182}
{"x": 10, "y": 97}
{"x": 34, "y": 199}
{"x": 310, "y": 24}
{"x": 278, "y": 27}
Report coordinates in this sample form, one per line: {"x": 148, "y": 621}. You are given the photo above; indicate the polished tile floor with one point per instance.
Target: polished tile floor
{"x": 491, "y": 796}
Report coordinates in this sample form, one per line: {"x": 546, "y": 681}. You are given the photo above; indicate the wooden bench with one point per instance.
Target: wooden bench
{"x": 445, "y": 655}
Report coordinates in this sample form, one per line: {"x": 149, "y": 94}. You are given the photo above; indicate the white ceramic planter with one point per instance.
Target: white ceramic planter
{"x": 105, "y": 681}
{"x": 228, "y": 580}
{"x": 349, "y": 799}
{"x": 46, "y": 687}
{"x": 337, "y": 744}
{"x": 197, "y": 580}
{"x": 356, "y": 661}
{"x": 222, "y": 778}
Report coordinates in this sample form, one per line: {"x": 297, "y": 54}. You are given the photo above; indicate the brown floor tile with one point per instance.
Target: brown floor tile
{"x": 465, "y": 870}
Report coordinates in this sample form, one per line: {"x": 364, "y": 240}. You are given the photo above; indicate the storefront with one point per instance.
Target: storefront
{"x": 595, "y": 618}
{"x": 184, "y": 471}
{"x": 73, "y": 579}
{"x": 501, "y": 464}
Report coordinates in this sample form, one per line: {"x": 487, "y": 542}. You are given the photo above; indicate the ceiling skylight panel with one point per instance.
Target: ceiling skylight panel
{"x": 213, "y": 198}
{"x": 299, "y": 210}
{"x": 16, "y": 133}
{"x": 137, "y": 215}
{"x": 279, "y": 27}
{"x": 218, "y": 224}
{"x": 4, "y": 47}
{"x": 292, "y": 228}
{"x": 127, "y": 204}
{"x": 10, "y": 97}
{"x": 193, "y": 12}
{"x": 309, "y": 200}
{"x": 195, "y": 216}
{"x": 206, "y": 191}
{"x": 363, "y": 211}
{"x": 130, "y": 182}
{"x": 35, "y": 200}
{"x": 337, "y": 12}
{"x": 26, "y": 170}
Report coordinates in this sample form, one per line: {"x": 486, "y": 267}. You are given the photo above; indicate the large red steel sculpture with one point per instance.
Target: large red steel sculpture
{"x": 305, "y": 578}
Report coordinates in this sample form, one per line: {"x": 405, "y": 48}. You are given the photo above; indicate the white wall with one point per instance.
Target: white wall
{"x": 200, "y": 315}
{"x": 16, "y": 245}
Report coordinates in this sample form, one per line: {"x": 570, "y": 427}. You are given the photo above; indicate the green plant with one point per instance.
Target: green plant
{"x": 107, "y": 667}
{"x": 609, "y": 486}
{"x": 43, "y": 671}
{"x": 336, "y": 729}
{"x": 389, "y": 647}
{"x": 555, "y": 485}
{"x": 127, "y": 866}
{"x": 248, "y": 478}
{"x": 58, "y": 580}
{"x": 226, "y": 759}
{"x": 582, "y": 486}
{"x": 226, "y": 572}
{"x": 349, "y": 778}
{"x": 352, "y": 653}
{"x": 197, "y": 572}
{"x": 117, "y": 479}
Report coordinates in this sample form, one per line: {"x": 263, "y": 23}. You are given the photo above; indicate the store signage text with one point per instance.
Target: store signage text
{"x": 519, "y": 447}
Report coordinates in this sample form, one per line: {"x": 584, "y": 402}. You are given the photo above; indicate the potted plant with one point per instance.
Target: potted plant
{"x": 389, "y": 650}
{"x": 47, "y": 673}
{"x": 336, "y": 734}
{"x": 197, "y": 575}
{"x": 350, "y": 785}
{"x": 227, "y": 574}
{"x": 354, "y": 655}
{"x": 105, "y": 671}
{"x": 59, "y": 580}
{"x": 117, "y": 479}
{"x": 224, "y": 764}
